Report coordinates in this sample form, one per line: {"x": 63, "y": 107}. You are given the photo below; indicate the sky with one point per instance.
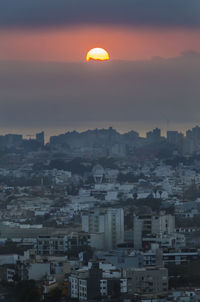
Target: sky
{"x": 152, "y": 77}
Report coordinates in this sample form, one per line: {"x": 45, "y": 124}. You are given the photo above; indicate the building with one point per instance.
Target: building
{"x": 7, "y": 272}
{"x": 180, "y": 256}
{"x": 98, "y": 279}
{"x": 108, "y": 222}
{"x": 98, "y": 173}
{"x": 122, "y": 258}
{"x": 60, "y": 244}
{"x": 175, "y": 138}
{"x": 147, "y": 225}
{"x": 13, "y": 140}
{"x": 40, "y": 138}
{"x": 175, "y": 240}
{"x": 85, "y": 284}
{"x": 154, "y": 135}
{"x": 146, "y": 280}
{"x": 27, "y": 270}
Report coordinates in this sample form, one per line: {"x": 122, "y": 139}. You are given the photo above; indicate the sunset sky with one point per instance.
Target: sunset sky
{"x": 71, "y": 44}
{"x": 154, "y": 46}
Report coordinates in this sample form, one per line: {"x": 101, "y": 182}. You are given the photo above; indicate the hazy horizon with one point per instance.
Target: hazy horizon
{"x": 121, "y": 127}
{"x": 54, "y": 95}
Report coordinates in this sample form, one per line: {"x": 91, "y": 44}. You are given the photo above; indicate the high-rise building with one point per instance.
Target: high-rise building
{"x": 13, "y": 140}
{"x": 154, "y": 135}
{"x": 108, "y": 222}
{"x": 194, "y": 134}
{"x": 148, "y": 225}
{"x": 174, "y": 137}
{"x": 40, "y": 138}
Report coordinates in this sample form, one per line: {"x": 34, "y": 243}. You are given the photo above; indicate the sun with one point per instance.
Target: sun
{"x": 97, "y": 54}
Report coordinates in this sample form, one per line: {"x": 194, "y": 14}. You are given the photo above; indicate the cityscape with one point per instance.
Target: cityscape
{"x": 100, "y": 215}
{"x": 99, "y": 151}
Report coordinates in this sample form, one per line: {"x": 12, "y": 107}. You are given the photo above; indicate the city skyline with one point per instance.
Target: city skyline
{"x": 106, "y": 126}
{"x": 99, "y": 150}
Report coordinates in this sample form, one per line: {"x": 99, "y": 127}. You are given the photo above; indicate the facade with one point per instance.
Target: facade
{"x": 33, "y": 271}
{"x": 150, "y": 226}
{"x": 147, "y": 280}
{"x": 109, "y": 222}
{"x": 180, "y": 257}
{"x": 175, "y": 240}
{"x": 85, "y": 284}
{"x": 60, "y": 244}
{"x": 7, "y": 272}
{"x": 159, "y": 257}
{"x": 122, "y": 259}
{"x": 96, "y": 281}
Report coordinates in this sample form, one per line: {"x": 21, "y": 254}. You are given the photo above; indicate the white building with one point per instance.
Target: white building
{"x": 152, "y": 226}
{"x": 109, "y": 222}
{"x": 95, "y": 280}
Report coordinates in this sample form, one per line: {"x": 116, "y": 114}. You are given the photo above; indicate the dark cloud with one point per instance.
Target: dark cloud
{"x": 37, "y": 13}
{"x": 51, "y": 94}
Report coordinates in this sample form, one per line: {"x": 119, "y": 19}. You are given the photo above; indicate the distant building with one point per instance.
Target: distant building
{"x": 40, "y": 138}
{"x": 181, "y": 256}
{"x": 194, "y": 134}
{"x": 148, "y": 225}
{"x": 108, "y": 222}
{"x": 33, "y": 271}
{"x": 86, "y": 284}
{"x": 13, "y": 140}
{"x": 147, "y": 280}
{"x": 175, "y": 138}
{"x": 60, "y": 244}
{"x": 154, "y": 135}
{"x": 121, "y": 258}
{"x": 95, "y": 281}
{"x": 98, "y": 173}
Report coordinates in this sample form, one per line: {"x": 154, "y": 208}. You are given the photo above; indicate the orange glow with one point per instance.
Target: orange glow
{"x": 124, "y": 43}
{"x": 98, "y": 54}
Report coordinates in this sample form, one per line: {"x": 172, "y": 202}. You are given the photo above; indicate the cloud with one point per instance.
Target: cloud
{"x": 52, "y": 94}
{"x": 37, "y": 13}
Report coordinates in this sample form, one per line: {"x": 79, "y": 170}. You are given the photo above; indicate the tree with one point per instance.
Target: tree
{"x": 54, "y": 295}
{"x": 27, "y": 291}
{"x": 184, "y": 275}
{"x": 191, "y": 193}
